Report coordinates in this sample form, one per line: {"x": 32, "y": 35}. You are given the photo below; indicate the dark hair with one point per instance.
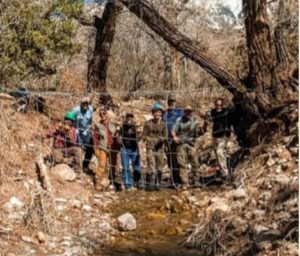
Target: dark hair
{"x": 129, "y": 115}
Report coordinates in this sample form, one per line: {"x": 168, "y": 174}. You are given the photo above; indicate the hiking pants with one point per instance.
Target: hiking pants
{"x": 220, "y": 145}
{"x": 172, "y": 162}
{"x": 155, "y": 161}
{"x": 101, "y": 169}
{"x": 186, "y": 154}
{"x": 129, "y": 156}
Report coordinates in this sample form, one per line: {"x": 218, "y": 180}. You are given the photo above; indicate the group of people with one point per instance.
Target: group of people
{"x": 168, "y": 134}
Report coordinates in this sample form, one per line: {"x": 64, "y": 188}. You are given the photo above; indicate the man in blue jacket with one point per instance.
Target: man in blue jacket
{"x": 83, "y": 123}
{"x": 170, "y": 117}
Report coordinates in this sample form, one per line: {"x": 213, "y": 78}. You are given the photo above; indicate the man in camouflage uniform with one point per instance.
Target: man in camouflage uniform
{"x": 185, "y": 131}
{"x": 155, "y": 136}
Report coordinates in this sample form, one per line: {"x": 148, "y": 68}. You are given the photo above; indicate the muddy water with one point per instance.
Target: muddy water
{"x": 160, "y": 229}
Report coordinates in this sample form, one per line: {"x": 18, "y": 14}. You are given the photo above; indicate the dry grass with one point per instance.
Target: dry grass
{"x": 41, "y": 211}
{"x": 211, "y": 236}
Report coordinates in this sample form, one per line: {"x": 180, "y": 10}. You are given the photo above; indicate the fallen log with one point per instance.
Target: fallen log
{"x": 43, "y": 176}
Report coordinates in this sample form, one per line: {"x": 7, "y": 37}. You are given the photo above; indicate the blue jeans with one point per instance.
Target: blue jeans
{"x": 133, "y": 156}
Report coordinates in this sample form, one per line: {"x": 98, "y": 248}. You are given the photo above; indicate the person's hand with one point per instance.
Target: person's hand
{"x": 119, "y": 140}
{"x": 200, "y": 125}
{"x": 59, "y": 126}
{"x": 176, "y": 139}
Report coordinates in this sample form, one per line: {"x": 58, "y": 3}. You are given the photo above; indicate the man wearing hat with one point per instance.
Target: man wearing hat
{"x": 155, "y": 136}
{"x": 170, "y": 117}
{"x": 83, "y": 122}
{"x": 185, "y": 131}
{"x": 130, "y": 152}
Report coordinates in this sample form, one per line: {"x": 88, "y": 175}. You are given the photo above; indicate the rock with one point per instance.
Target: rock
{"x": 282, "y": 179}
{"x": 259, "y": 214}
{"x": 217, "y": 207}
{"x": 14, "y": 203}
{"x": 28, "y": 239}
{"x": 264, "y": 246}
{"x": 265, "y": 196}
{"x": 76, "y": 203}
{"x": 239, "y": 224}
{"x": 260, "y": 228}
{"x": 126, "y": 222}
{"x": 285, "y": 154}
{"x": 294, "y": 151}
{"x": 81, "y": 232}
{"x": 239, "y": 193}
{"x": 61, "y": 200}
{"x": 292, "y": 249}
{"x": 41, "y": 237}
{"x": 65, "y": 172}
{"x": 87, "y": 207}
{"x": 270, "y": 161}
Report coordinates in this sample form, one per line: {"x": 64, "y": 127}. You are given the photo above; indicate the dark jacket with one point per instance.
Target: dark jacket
{"x": 129, "y": 136}
{"x": 222, "y": 122}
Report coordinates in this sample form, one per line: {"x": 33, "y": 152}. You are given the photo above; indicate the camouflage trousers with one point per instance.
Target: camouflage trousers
{"x": 187, "y": 154}
{"x": 155, "y": 161}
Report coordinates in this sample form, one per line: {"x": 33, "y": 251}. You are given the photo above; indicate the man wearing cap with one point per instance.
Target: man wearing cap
{"x": 64, "y": 144}
{"x": 130, "y": 152}
{"x": 155, "y": 135}
{"x": 185, "y": 131}
{"x": 83, "y": 123}
{"x": 170, "y": 117}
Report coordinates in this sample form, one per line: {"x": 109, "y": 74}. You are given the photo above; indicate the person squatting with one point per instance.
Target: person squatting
{"x": 168, "y": 135}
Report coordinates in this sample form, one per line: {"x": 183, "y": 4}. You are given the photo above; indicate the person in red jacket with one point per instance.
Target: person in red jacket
{"x": 65, "y": 149}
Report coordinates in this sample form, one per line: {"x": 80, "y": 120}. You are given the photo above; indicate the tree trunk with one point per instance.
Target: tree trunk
{"x": 261, "y": 77}
{"x": 285, "y": 64}
{"x": 97, "y": 69}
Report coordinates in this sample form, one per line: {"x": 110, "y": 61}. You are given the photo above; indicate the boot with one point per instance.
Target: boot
{"x": 158, "y": 180}
{"x": 149, "y": 185}
{"x": 97, "y": 183}
{"x": 136, "y": 179}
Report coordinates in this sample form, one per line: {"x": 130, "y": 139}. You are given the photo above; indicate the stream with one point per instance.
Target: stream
{"x": 162, "y": 220}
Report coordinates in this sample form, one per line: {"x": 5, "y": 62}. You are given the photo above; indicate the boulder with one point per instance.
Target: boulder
{"x": 282, "y": 179}
{"x": 239, "y": 224}
{"x": 126, "y": 222}
{"x": 217, "y": 205}
{"x": 239, "y": 193}
{"x": 14, "y": 203}
{"x": 41, "y": 237}
{"x": 64, "y": 171}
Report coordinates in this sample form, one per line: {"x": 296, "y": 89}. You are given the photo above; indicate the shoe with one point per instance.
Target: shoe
{"x": 131, "y": 189}
{"x": 197, "y": 184}
{"x": 87, "y": 171}
{"x": 184, "y": 187}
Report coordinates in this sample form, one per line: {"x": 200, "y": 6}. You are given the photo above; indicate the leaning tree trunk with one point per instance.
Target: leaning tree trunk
{"x": 97, "y": 69}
